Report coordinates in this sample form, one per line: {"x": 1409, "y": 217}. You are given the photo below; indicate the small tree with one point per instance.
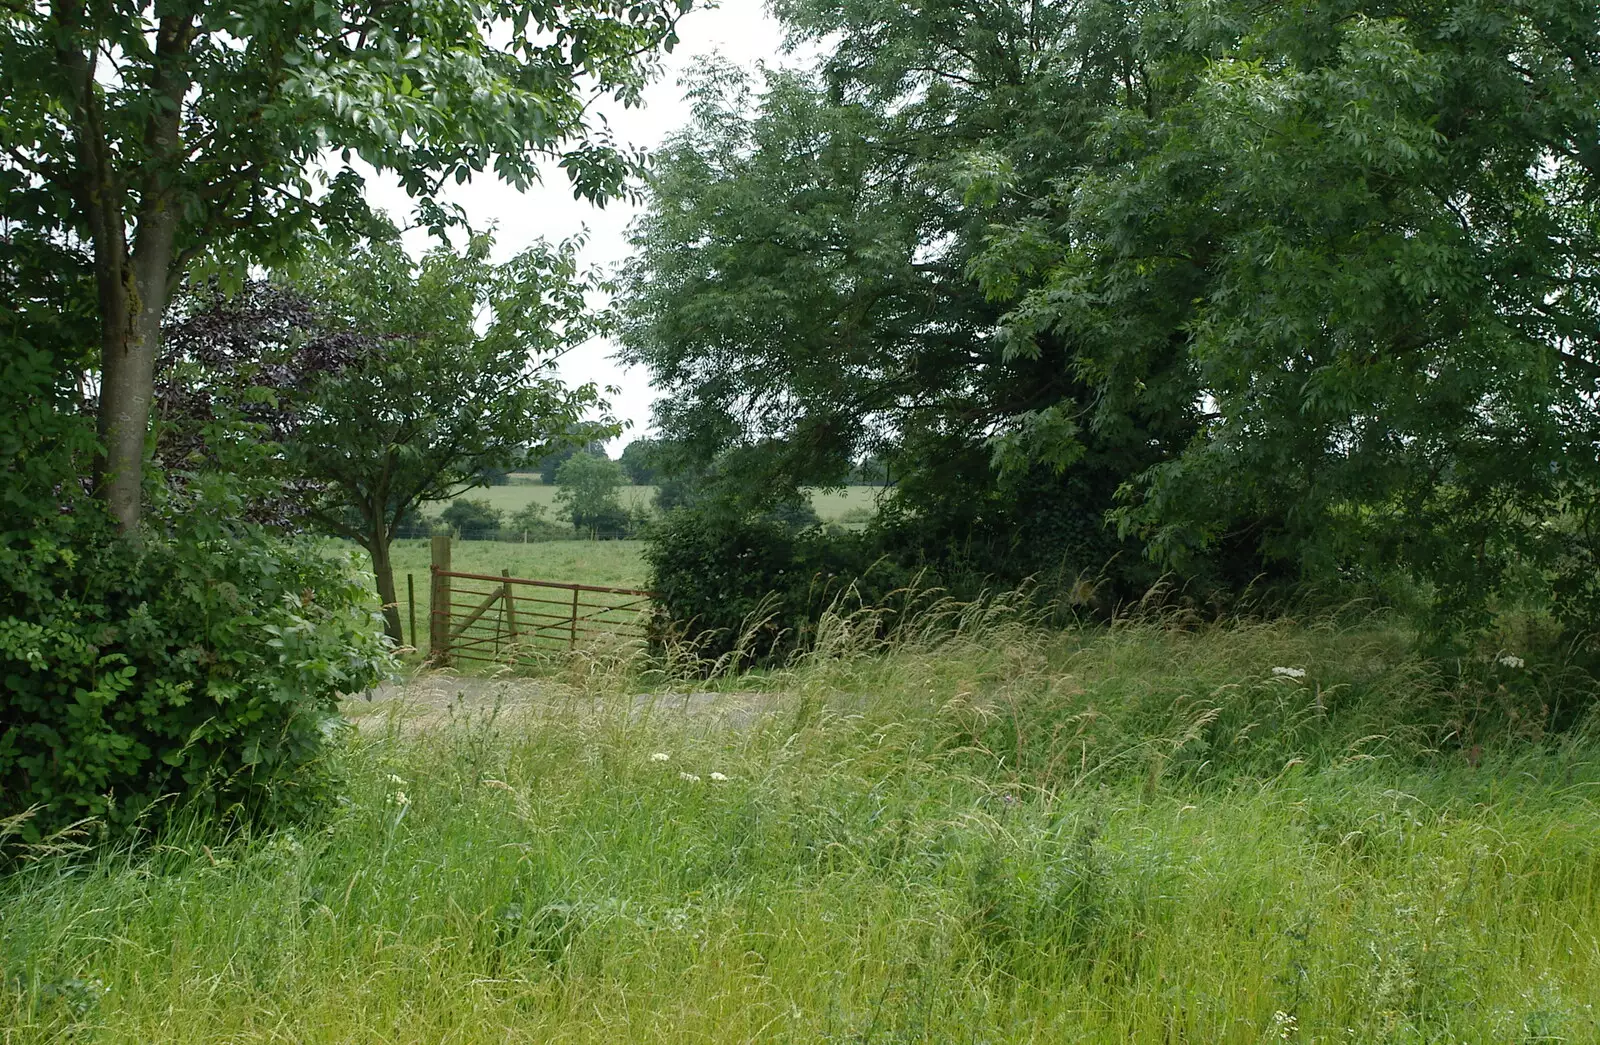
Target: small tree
{"x": 473, "y": 520}
{"x": 588, "y": 494}
{"x": 530, "y": 516}
{"x": 383, "y": 394}
{"x": 442, "y": 403}
{"x": 639, "y": 461}
{"x": 530, "y": 523}
{"x": 551, "y": 463}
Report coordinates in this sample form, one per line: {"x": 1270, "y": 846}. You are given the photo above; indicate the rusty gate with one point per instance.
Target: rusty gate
{"x": 482, "y": 617}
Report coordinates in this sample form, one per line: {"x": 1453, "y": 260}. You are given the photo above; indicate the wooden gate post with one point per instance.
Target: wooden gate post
{"x": 439, "y": 603}
{"x": 411, "y": 601}
{"x": 508, "y": 603}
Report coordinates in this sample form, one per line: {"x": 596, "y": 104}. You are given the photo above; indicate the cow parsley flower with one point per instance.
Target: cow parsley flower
{"x": 690, "y": 777}
{"x": 1290, "y": 673}
{"x": 1510, "y": 661}
{"x": 718, "y": 777}
{"x": 660, "y": 756}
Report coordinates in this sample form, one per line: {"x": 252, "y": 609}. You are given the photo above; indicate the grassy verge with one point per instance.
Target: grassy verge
{"x": 1001, "y": 835}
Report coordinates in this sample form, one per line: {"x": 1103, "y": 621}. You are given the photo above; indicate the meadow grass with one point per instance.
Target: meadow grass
{"x": 981, "y": 832}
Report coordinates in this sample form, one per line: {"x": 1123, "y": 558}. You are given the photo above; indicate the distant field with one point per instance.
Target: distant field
{"x": 831, "y": 505}
{"x": 616, "y": 564}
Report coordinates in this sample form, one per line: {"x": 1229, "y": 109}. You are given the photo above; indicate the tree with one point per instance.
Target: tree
{"x": 494, "y": 477}
{"x": 473, "y": 520}
{"x": 639, "y": 461}
{"x": 529, "y": 519}
{"x": 588, "y": 494}
{"x": 1371, "y": 232}
{"x": 551, "y": 463}
{"x": 869, "y": 471}
{"x": 156, "y": 140}
{"x": 802, "y": 289}
{"x": 418, "y": 402}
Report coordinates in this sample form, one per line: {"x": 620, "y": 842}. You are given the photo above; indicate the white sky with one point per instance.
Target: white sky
{"x": 740, "y": 30}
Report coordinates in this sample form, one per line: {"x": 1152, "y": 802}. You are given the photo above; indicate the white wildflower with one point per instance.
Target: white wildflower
{"x": 718, "y": 777}
{"x": 396, "y": 781}
{"x": 1289, "y": 673}
{"x": 1510, "y": 661}
{"x": 660, "y": 756}
{"x": 690, "y": 777}
{"x": 1285, "y": 1024}
{"x": 399, "y": 799}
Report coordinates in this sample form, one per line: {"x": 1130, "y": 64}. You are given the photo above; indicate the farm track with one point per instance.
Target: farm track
{"x": 435, "y": 700}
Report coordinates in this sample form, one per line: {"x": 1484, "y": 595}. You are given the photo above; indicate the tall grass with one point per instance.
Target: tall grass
{"x": 977, "y": 832}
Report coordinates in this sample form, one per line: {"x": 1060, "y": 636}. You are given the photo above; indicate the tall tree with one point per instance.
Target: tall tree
{"x": 802, "y": 287}
{"x": 162, "y": 137}
{"x": 1373, "y": 230}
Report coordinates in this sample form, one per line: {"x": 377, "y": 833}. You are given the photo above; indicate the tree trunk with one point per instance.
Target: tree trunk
{"x": 383, "y": 571}
{"x": 132, "y": 285}
{"x": 129, "y": 343}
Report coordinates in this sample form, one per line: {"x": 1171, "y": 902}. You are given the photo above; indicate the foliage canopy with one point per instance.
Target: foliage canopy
{"x": 1300, "y": 289}
{"x": 143, "y": 142}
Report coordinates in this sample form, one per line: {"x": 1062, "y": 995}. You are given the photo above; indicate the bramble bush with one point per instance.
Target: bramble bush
{"x": 201, "y": 663}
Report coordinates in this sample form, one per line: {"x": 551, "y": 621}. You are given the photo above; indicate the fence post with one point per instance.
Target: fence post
{"x": 411, "y": 601}
{"x": 439, "y": 603}
{"x": 572, "y": 636}
{"x": 509, "y": 601}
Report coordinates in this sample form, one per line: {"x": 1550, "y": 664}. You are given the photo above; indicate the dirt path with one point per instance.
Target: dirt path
{"x": 434, "y": 699}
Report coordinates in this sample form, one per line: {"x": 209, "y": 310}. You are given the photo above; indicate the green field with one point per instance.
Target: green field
{"x": 1135, "y": 835}
{"x": 831, "y": 505}
{"x": 617, "y": 564}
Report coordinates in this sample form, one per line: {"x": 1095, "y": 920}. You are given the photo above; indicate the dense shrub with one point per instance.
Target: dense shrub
{"x": 719, "y": 570}
{"x": 209, "y": 669}
{"x": 201, "y": 662}
{"x": 473, "y": 520}
{"x": 724, "y": 582}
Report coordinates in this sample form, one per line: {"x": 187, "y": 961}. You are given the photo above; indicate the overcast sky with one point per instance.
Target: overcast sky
{"x": 739, "y": 30}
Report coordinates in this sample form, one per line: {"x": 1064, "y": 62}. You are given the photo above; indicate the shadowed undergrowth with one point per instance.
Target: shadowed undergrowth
{"x": 983, "y": 833}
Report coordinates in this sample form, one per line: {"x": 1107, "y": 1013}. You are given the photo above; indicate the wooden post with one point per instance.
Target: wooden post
{"x": 510, "y": 602}
{"x": 411, "y": 600}
{"x": 439, "y": 605}
{"x": 572, "y": 636}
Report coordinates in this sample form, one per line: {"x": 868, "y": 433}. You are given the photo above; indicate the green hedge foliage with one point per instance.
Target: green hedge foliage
{"x": 201, "y": 663}
{"x": 764, "y": 580}
{"x": 759, "y": 585}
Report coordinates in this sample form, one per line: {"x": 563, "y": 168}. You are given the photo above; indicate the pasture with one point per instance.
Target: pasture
{"x": 849, "y": 503}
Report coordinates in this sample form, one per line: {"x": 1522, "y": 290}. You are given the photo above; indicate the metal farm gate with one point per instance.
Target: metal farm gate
{"x": 481, "y": 617}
